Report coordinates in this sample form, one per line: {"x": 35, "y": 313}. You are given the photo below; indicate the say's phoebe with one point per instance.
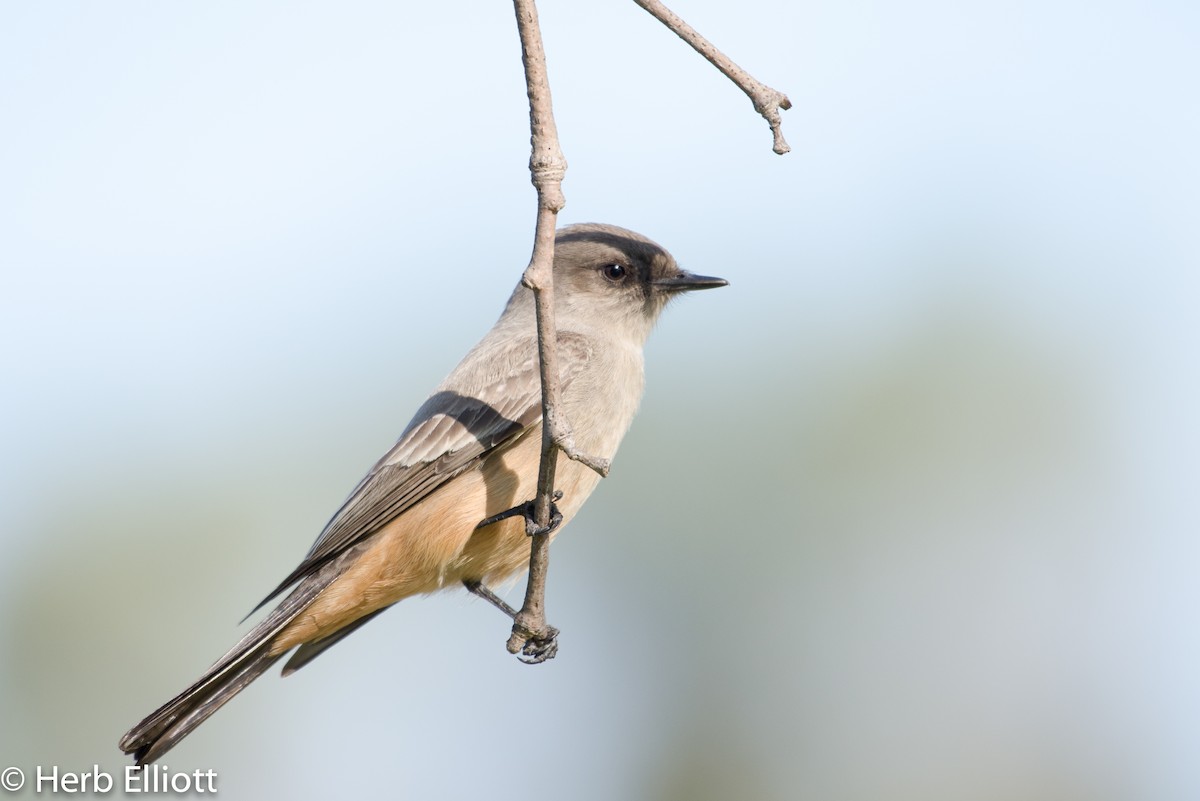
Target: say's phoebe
{"x": 470, "y": 452}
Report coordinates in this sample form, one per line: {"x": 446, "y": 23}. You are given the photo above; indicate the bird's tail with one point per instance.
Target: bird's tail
{"x": 174, "y": 720}
{"x": 245, "y": 662}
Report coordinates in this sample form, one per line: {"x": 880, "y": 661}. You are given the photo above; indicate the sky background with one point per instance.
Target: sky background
{"x": 909, "y": 511}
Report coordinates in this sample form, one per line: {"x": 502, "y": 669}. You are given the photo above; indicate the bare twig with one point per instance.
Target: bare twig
{"x": 531, "y": 635}
{"x": 767, "y": 101}
{"x": 547, "y": 167}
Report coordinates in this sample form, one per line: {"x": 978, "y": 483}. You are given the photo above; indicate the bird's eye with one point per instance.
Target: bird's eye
{"x": 614, "y": 272}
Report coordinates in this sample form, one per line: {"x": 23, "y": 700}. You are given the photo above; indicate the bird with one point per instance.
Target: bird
{"x": 412, "y": 525}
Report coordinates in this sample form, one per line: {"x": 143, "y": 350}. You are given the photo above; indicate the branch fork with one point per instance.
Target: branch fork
{"x": 564, "y": 440}
{"x": 767, "y": 101}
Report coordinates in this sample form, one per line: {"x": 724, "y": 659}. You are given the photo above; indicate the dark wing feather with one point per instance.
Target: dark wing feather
{"x": 450, "y": 434}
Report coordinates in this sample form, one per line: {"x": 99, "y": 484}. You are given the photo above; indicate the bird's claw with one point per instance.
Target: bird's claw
{"x": 540, "y": 648}
{"x": 556, "y": 518}
{"x": 526, "y": 510}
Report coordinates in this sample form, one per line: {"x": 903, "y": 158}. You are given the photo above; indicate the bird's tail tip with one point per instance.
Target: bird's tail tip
{"x": 163, "y": 728}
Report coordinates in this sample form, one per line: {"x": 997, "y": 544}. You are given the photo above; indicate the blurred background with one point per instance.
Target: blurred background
{"x": 909, "y": 511}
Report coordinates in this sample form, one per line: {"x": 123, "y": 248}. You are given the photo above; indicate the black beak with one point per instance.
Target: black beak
{"x": 686, "y": 282}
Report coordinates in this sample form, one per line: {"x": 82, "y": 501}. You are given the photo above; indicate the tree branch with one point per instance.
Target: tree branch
{"x": 531, "y": 635}
{"x": 767, "y": 101}
{"x": 547, "y": 168}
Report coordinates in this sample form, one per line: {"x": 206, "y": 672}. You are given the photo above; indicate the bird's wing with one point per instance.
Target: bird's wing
{"x": 449, "y": 435}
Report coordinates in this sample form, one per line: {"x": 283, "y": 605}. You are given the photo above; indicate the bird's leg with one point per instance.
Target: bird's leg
{"x": 539, "y": 645}
{"x": 481, "y": 590}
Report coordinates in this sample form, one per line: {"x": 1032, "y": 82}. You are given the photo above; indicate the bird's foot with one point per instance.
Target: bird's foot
{"x": 526, "y": 510}
{"x": 538, "y": 647}
{"x": 531, "y": 647}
